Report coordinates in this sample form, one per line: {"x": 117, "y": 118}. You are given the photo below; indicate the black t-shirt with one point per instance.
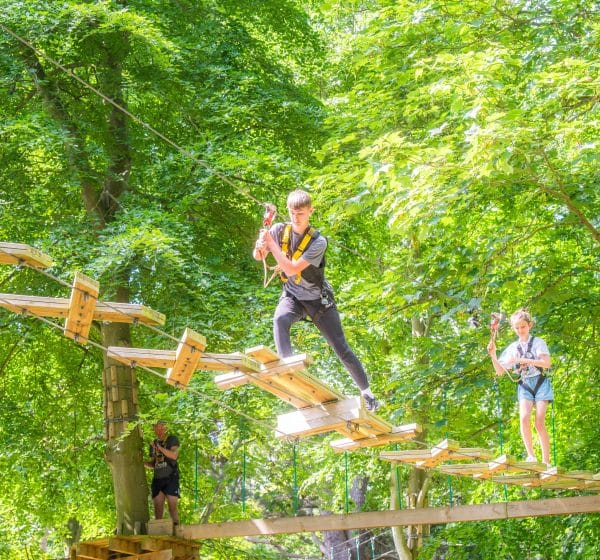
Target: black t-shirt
{"x": 163, "y": 466}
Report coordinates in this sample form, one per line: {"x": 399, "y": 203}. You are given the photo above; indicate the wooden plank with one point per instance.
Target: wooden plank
{"x": 96, "y": 550}
{"x": 82, "y": 304}
{"x": 160, "y": 527}
{"x": 59, "y": 308}
{"x": 125, "y": 544}
{"x": 393, "y": 518}
{"x": 235, "y": 361}
{"x": 439, "y": 453}
{"x": 165, "y": 554}
{"x": 571, "y": 480}
{"x": 526, "y": 480}
{"x": 18, "y": 253}
{"x": 406, "y": 455}
{"x": 115, "y": 312}
{"x": 284, "y": 395}
{"x": 398, "y": 434}
{"x": 262, "y": 354}
{"x": 465, "y": 469}
{"x": 142, "y": 356}
{"x": 327, "y": 417}
{"x": 274, "y": 368}
{"x": 187, "y": 356}
{"x": 305, "y": 386}
{"x": 36, "y": 305}
{"x": 508, "y": 464}
{"x": 423, "y": 458}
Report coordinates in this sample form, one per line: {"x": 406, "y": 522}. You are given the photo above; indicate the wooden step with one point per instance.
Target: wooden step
{"x": 18, "y": 253}
{"x": 58, "y": 308}
{"x": 348, "y": 416}
{"x": 285, "y": 378}
{"x": 398, "y": 434}
{"x": 508, "y": 464}
{"x": 446, "y": 450}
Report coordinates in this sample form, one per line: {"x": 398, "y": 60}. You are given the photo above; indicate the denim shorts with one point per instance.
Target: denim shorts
{"x": 544, "y": 392}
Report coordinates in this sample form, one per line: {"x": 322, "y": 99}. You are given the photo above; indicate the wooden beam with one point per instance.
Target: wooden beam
{"x": 398, "y": 434}
{"x": 112, "y": 312}
{"x": 187, "y": 356}
{"x": 394, "y": 518}
{"x": 262, "y": 354}
{"x": 165, "y": 554}
{"x": 468, "y": 469}
{"x": 18, "y": 253}
{"x": 283, "y": 377}
{"x": 329, "y": 417}
{"x": 96, "y": 550}
{"x": 82, "y": 304}
{"x": 152, "y": 357}
{"x": 508, "y": 464}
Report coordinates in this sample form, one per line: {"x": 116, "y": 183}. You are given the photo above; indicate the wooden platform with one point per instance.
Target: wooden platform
{"x": 138, "y": 547}
{"x": 321, "y": 408}
{"x": 504, "y": 469}
{"x": 19, "y": 254}
{"x": 447, "y": 450}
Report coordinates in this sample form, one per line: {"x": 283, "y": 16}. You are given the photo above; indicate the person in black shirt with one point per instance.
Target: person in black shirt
{"x": 164, "y": 451}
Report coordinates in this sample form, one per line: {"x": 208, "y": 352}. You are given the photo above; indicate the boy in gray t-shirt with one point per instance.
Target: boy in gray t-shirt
{"x": 300, "y": 254}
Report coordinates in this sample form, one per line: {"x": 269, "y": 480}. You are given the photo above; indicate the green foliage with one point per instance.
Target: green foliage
{"x": 452, "y": 152}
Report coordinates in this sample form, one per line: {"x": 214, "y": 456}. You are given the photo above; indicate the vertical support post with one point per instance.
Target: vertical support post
{"x": 347, "y": 505}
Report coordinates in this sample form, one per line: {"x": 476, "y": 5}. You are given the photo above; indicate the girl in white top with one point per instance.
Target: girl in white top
{"x": 528, "y": 358}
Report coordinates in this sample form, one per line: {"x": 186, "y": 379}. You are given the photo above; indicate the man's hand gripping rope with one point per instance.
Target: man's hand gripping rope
{"x": 261, "y": 248}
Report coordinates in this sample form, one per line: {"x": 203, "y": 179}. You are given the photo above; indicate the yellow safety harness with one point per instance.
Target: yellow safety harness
{"x": 310, "y": 233}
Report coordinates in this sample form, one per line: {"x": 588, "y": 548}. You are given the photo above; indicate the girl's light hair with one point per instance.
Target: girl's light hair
{"x": 298, "y": 199}
{"x": 521, "y": 315}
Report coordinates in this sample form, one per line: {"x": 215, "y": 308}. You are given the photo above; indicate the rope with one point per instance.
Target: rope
{"x": 244, "y": 480}
{"x": 500, "y": 428}
{"x": 553, "y": 434}
{"x": 295, "y": 466}
{"x": 346, "y": 501}
{"x": 445, "y": 408}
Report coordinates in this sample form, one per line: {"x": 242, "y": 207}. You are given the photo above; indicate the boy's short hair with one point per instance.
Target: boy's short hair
{"x": 521, "y": 315}
{"x": 298, "y": 199}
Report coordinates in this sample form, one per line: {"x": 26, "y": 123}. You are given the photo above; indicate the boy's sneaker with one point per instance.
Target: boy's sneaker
{"x": 371, "y": 403}
{"x": 531, "y": 459}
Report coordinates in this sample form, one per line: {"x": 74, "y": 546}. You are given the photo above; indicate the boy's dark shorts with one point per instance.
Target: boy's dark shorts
{"x": 168, "y": 486}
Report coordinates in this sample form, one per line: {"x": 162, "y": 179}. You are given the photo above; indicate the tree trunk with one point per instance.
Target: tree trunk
{"x": 124, "y": 450}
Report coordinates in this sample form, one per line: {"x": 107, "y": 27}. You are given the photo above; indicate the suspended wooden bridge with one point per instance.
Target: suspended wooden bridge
{"x": 318, "y": 409}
